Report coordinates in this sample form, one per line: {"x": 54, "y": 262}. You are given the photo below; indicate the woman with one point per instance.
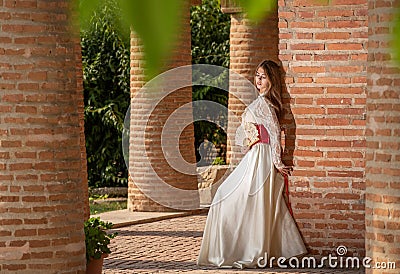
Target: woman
{"x": 248, "y": 218}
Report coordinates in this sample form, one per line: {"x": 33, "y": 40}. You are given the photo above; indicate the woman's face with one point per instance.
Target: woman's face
{"x": 261, "y": 80}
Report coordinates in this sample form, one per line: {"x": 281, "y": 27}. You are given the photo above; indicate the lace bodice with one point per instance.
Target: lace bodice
{"x": 261, "y": 112}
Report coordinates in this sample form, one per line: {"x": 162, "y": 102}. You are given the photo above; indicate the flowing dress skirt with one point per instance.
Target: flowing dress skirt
{"x": 248, "y": 217}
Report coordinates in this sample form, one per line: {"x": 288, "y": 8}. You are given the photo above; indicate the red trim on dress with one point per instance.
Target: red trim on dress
{"x": 264, "y": 138}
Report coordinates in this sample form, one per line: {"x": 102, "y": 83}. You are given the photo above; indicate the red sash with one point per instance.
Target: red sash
{"x": 286, "y": 179}
{"x": 264, "y": 138}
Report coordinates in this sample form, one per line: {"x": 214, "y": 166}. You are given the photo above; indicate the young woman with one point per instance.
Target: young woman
{"x": 248, "y": 218}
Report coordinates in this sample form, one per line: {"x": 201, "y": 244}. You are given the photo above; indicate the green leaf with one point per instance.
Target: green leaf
{"x": 258, "y": 9}
{"x": 158, "y": 24}
{"x": 86, "y": 10}
{"x": 396, "y": 36}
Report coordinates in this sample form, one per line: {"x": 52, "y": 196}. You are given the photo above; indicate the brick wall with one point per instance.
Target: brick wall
{"x": 324, "y": 51}
{"x": 148, "y": 164}
{"x": 41, "y": 197}
{"x": 382, "y": 213}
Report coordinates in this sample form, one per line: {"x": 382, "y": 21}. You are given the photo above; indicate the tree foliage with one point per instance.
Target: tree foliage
{"x": 157, "y": 22}
{"x": 105, "y": 58}
{"x": 210, "y": 45}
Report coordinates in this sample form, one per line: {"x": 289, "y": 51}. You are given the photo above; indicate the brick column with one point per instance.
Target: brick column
{"x": 148, "y": 165}
{"x": 41, "y": 194}
{"x": 249, "y": 45}
{"x": 382, "y": 213}
{"x": 324, "y": 51}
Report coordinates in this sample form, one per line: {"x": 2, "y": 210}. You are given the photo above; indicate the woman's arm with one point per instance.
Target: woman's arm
{"x": 274, "y": 131}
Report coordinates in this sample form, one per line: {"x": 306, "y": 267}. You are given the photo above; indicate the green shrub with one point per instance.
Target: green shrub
{"x": 106, "y": 72}
{"x": 96, "y": 238}
{"x": 210, "y": 30}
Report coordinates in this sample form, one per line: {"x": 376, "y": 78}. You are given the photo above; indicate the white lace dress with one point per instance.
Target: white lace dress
{"x": 248, "y": 217}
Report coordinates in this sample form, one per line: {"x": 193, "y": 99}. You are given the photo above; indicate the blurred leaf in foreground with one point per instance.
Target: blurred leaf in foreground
{"x": 157, "y": 23}
{"x": 257, "y": 9}
{"x": 87, "y": 8}
{"x": 396, "y": 36}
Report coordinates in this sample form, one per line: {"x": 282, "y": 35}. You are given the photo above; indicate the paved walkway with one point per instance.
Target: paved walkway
{"x": 124, "y": 217}
{"x": 170, "y": 246}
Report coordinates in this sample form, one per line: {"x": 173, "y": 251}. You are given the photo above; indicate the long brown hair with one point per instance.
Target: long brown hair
{"x": 274, "y": 74}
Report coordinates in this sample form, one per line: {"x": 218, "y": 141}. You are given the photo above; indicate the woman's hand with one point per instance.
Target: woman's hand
{"x": 285, "y": 170}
